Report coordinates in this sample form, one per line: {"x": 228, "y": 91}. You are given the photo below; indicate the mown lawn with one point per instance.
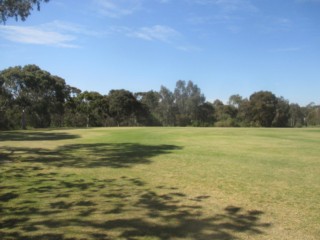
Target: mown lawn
{"x": 160, "y": 183}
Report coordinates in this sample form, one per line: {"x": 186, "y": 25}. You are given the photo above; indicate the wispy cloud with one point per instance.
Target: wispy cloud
{"x": 270, "y": 24}
{"x": 71, "y": 28}
{"x": 37, "y": 35}
{"x": 157, "y": 32}
{"x": 229, "y": 5}
{"x": 118, "y": 8}
{"x": 189, "y": 48}
{"x": 56, "y": 34}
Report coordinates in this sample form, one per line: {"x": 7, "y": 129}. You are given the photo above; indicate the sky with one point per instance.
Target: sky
{"x": 225, "y": 47}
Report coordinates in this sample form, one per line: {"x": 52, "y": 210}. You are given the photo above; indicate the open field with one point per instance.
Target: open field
{"x": 160, "y": 183}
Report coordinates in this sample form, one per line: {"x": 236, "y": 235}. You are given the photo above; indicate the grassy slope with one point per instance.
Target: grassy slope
{"x": 160, "y": 183}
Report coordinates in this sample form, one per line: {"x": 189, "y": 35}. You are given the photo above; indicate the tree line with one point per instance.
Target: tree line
{"x": 32, "y": 97}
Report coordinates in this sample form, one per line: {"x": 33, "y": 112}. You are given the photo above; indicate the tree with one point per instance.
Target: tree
{"x": 281, "y": 118}
{"x": 205, "y": 115}
{"x": 312, "y": 115}
{"x": 34, "y": 94}
{"x": 18, "y": 8}
{"x": 166, "y": 110}
{"x": 123, "y": 107}
{"x": 225, "y": 114}
{"x": 296, "y": 115}
{"x": 235, "y": 100}
{"x": 263, "y": 106}
{"x": 149, "y": 105}
{"x": 244, "y": 116}
{"x": 90, "y": 104}
{"x": 188, "y": 98}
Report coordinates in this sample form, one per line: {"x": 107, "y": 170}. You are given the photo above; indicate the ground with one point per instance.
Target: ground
{"x": 160, "y": 183}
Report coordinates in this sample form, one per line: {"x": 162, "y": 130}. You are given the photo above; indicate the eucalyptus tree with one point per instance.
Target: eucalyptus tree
{"x": 18, "y": 8}
{"x": 263, "y": 107}
{"x": 149, "y": 106}
{"x": 188, "y": 98}
{"x": 34, "y": 94}
{"x": 296, "y": 114}
{"x": 123, "y": 107}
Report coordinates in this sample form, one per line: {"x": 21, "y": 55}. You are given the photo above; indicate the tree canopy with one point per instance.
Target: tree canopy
{"x": 18, "y": 8}
{"x": 32, "y": 97}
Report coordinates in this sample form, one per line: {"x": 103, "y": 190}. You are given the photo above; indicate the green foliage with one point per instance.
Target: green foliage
{"x": 32, "y": 97}
{"x": 263, "y": 108}
{"x": 18, "y": 8}
{"x": 123, "y": 107}
{"x": 33, "y": 91}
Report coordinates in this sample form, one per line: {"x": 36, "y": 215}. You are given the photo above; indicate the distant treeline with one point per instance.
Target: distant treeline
{"x": 32, "y": 97}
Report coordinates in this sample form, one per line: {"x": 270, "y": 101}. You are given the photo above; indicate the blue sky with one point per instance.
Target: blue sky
{"x": 224, "y": 46}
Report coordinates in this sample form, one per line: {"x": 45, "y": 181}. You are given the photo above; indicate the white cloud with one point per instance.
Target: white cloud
{"x": 37, "y": 35}
{"x": 71, "y": 28}
{"x": 157, "y": 32}
{"x": 56, "y": 33}
{"x": 118, "y": 8}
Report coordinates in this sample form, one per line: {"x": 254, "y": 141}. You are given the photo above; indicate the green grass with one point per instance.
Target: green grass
{"x": 160, "y": 183}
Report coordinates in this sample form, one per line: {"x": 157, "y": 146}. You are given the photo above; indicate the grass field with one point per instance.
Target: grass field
{"x": 160, "y": 183}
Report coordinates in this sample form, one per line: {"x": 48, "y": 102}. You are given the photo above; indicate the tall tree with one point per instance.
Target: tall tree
{"x": 281, "y": 118}
{"x": 263, "y": 106}
{"x": 123, "y": 107}
{"x": 34, "y": 93}
{"x": 149, "y": 106}
{"x": 166, "y": 110}
{"x": 92, "y": 107}
{"x": 205, "y": 116}
{"x": 188, "y": 98}
{"x": 312, "y": 115}
{"x": 296, "y": 115}
{"x": 235, "y": 100}
{"x": 18, "y": 8}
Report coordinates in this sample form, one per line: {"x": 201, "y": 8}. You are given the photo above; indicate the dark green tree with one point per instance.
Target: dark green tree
{"x": 18, "y": 8}
{"x": 263, "y": 107}
{"x": 123, "y": 107}
{"x": 149, "y": 106}
{"x": 205, "y": 115}
{"x": 281, "y": 118}
{"x": 225, "y": 115}
{"x": 244, "y": 116}
{"x": 35, "y": 95}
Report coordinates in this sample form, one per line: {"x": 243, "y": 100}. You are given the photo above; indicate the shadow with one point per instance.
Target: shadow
{"x": 113, "y": 155}
{"x": 35, "y": 136}
{"x": 41, "y": 199}
{"x": 115, "y": 208}
{"x": 8, "y": 196}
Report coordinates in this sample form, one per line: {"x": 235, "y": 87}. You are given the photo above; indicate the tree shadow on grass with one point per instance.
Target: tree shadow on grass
{"x": 123, "y": 207}
{"x": 35, "y": 136}
{"x": 39, "y": 201}
{"x": 114, "y": 155}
